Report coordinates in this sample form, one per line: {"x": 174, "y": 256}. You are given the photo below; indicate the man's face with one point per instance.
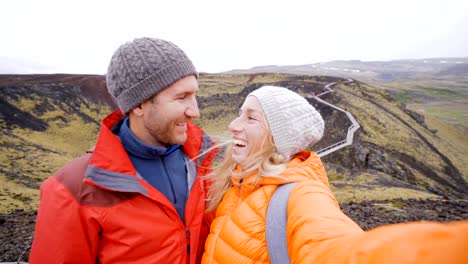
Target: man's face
{"x": 163, "y": 119}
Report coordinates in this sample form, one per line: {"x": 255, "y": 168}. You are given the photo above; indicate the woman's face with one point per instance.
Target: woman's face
{"x": 249, "y": 130}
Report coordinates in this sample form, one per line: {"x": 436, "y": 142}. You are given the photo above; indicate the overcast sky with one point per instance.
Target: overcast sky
{"x": 42, "y": 36}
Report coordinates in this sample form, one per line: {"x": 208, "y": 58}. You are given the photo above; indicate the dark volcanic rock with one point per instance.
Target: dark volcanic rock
{"x": 370, "y": 214}
{"x": 16, "y": 233}
{"x": 17, "y": 228}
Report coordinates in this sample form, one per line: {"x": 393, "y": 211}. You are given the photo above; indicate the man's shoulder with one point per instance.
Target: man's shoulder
{"x": 75, "y": 168}
{"x": 71, "y": 177}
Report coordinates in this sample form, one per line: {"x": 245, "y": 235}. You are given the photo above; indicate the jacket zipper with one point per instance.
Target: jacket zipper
{"x": 216, "y": 234}
{"x": 187, "y": 236}
{"x": 239, "y": 193}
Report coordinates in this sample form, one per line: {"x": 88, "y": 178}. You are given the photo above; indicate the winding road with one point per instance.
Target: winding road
{"x": 351, "y": 129}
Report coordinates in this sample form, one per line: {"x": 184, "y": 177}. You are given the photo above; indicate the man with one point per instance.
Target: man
{"x": 138, "y": 196}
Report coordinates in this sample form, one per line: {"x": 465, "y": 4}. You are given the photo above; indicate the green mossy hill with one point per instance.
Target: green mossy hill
{"x": 44, "y": 124}
{"x": 395, "y": 154}
{"x": 47, "y": 120}
{"x": 395, "y": 147}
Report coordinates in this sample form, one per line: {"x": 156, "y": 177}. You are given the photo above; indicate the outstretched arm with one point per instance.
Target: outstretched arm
{"x": 319, "y": 232}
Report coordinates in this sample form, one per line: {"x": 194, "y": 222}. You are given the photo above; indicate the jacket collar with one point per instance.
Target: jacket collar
{"x": 111, "y": 168}
{"x": 304, "y": 165}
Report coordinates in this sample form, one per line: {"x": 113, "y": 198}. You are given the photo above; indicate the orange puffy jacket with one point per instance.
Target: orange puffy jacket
{"x": 317, "y": 230}
{"x": 98, "y": 209}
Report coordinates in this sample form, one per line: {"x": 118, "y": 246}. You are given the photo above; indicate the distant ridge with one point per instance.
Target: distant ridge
{"x": 369, "y": 70}
{"x": 91, "y": 84}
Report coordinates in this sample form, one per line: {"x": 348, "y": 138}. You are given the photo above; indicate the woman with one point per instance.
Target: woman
{"x": 274, "y": 127}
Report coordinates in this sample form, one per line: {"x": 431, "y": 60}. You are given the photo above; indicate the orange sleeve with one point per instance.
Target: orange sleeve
{"x": 319, "y": 232}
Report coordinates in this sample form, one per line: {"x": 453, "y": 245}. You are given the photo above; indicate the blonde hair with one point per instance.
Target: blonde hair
{"x": 266, "y": 161}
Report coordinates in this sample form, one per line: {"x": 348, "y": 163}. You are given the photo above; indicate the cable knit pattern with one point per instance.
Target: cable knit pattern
{"x": 294, "y": 123}
{"x": 142, "y": 68}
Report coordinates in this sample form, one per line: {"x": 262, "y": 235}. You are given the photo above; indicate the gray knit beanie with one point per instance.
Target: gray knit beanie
{"x": 142, "y": 68}
{"x": 294, "y": 123}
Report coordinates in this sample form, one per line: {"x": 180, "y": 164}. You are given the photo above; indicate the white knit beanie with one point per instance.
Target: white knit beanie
{"x": 294, "y": 123}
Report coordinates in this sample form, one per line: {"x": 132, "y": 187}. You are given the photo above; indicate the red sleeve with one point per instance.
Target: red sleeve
{"x": 65, "y": 231}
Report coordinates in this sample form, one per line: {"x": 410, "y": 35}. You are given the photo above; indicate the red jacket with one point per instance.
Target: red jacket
{"x": 97, "y": 209}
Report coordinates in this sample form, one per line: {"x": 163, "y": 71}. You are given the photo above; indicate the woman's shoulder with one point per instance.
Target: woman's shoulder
{"x": 305, "y": 166}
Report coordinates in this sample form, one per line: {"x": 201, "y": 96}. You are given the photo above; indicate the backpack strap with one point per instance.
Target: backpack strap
{"x": 276, "y": 219}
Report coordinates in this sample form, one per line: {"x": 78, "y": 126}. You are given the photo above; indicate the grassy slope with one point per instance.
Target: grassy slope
{"x": 444, "y": 104}
{"x": 380, "y": 128}
{"x": 396, "y": 133}
{"x": 31, "y": 156}
{"x": 28, "y": 156}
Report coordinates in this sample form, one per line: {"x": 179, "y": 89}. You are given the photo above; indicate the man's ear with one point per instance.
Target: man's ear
{"x": 138, "y": 110}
